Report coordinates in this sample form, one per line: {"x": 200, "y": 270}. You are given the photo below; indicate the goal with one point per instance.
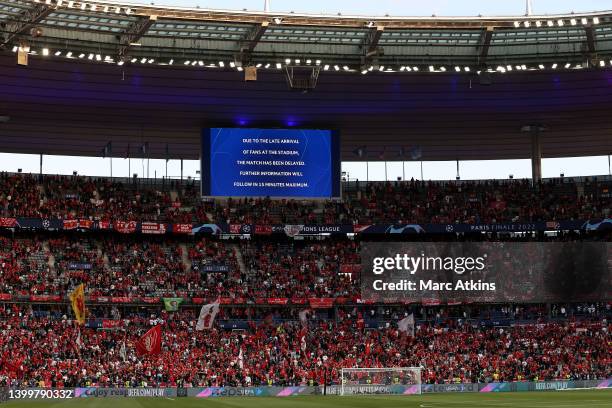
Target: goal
{"x": 375, "y": 381}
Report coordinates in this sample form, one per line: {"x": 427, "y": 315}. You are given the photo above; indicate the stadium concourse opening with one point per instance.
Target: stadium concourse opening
{"x": 266, "y": 274}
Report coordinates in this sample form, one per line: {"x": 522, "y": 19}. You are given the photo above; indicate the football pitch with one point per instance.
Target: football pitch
{"x": 557, "y": 399}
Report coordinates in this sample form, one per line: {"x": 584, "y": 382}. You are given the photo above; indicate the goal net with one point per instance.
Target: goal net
{"x": 375, "y": 381}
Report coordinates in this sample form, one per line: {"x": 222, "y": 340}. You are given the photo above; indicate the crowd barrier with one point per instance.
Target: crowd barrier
{"x": 274, "y": 391}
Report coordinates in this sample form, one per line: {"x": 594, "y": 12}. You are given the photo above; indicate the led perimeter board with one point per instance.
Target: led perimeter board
{"x": 278, "y": 163}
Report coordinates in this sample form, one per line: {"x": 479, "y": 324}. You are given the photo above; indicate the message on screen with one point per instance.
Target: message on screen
{"x": 295, "y": 163}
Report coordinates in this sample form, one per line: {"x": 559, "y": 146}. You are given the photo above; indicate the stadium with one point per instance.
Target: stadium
{"x": 209, "y": 207}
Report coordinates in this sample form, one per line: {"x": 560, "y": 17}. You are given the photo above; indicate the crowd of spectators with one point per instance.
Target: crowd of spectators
{"x": 46, "y": 351}
{"x": 121, "y": 265}
{"x": 70, "y": 197}
{"x": 40, "y": 345}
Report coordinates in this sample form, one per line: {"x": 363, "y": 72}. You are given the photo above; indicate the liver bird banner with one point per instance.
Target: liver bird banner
{"x": 150, "y": 342}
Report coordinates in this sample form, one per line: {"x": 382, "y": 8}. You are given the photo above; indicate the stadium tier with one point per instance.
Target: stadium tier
{"x": 294, "y": 244}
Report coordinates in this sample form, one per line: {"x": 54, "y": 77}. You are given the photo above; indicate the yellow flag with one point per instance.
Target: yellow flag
{"x": 77, "y": 299}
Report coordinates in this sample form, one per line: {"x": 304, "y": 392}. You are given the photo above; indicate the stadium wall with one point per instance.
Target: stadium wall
{"x": 273, "y": 391}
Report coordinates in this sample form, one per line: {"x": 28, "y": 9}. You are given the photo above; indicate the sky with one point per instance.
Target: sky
{"x": 400, "y": 7}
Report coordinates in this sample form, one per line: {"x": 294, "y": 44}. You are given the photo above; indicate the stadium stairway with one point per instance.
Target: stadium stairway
{"x": 240, "y": 260}
{"x": 185, "y": 257}
{"x": 51, "y": 258}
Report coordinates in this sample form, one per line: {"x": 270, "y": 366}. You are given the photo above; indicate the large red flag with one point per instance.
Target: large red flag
{"x": 150, "y": 342}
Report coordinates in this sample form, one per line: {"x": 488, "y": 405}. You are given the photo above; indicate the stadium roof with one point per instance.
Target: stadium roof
{"x": 162, "y": 33}
{"x": 131, "y": 74}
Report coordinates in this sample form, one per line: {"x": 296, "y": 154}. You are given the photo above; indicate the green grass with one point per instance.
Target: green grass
{"x": 556, "y": 399}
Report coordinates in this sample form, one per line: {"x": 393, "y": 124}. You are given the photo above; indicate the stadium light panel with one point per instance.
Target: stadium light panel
{"x": 550, "y": 23}
{"x": 69, "y": 54}
{"x": 573, "y": 21}
{"x": 431, "y": 68}
{"x": 364, "y": 71}
{"x": 194, "y": 63}
{"x": 595, "y": 20}
{"x": 457, "y": 69}
{"x": 408, "y": 69}
{"x": 517, "y": 24}
{"x": 187, "y": 62}
{"x": 267, "y": 65}
{"x": 318, "y": 62}
{"x": 151, "y": 61}
{"x": 90, "y": 56}
{"x": 133, "y": 60}
{"x": 201, "y": 63}
{"x": 278, "y": 20}
{"x": 381, "y": 68}
{"x": 106, "y": 8}
{"x": 120, "y": 63}
{"x": 345, "y": 68}
{"x": 128, "y": 11}
{"x": 524, "y": 67}
{"x": 258, "y": 65}
{"x": 279, "y": 65}
{"x": 59, "y": 3}
{"x": 325, "y": 67}
{"x": 402, "y": 68}
{"x": 171, "y": 62}
{"x": 70, "y": 4}
{"x": 309, "y": 61}
{"x": 239, "y": 69}
{"x": 15, "y": 48}
{"x": 602, "y": 63}
{"x": 538, "y": 23}
{"x": 143, "y": 60}
{"x": 117, "y": 10}
{"x": 527, "y": 24}
{"x": 568, "y": 65}
{"x": 288, "y": 61}
{"x": 560, "y": 23}
{"x": 298, "y": 61}
{"x": 98, "y": 57}
{"x": 94, "y": 7}
{"x": 509, "y": 67}
{"x": 466, "y": 69}
{"x": 416, "y": 69}
{"x": 81, "y": 55}
{"x": 443, "y": 69}
{"x": 337, "y": 68}
{"x": 584, "y": 21}
{"x": 83, "y": 6}
{"x": 232, "y": 64}
{"x": 58, "y": 53}
{"x": 541, "y": 66}
{"x": 554, "y": 66}
{"x": 222, "y": 64}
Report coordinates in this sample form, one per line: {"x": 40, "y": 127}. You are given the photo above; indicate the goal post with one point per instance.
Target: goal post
{"x": 377, "y": 381}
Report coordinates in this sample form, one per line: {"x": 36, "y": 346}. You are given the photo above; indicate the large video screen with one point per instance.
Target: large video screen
{"x": 291, "y": 163}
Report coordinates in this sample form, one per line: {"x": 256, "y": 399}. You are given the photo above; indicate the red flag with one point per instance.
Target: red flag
{"x": 150, "y": 342}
